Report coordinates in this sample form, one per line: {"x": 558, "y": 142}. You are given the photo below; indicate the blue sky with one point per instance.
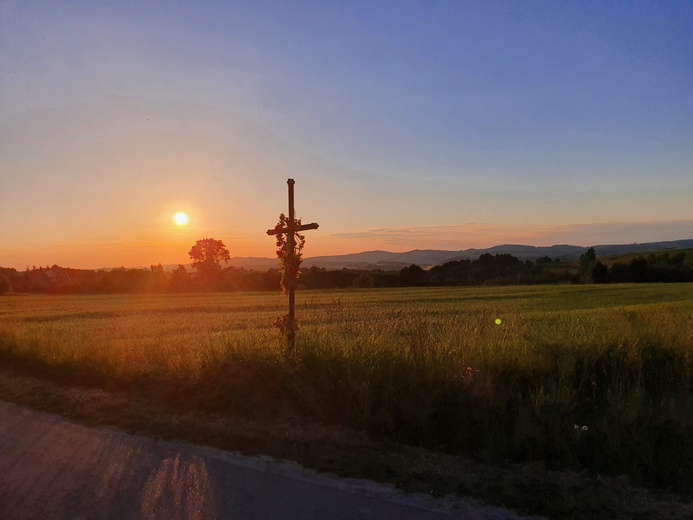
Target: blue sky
{"x": 412, "y": 124}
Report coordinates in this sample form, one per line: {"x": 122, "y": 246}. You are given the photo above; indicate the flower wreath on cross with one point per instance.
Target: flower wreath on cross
{"x": 289, "y": 264}
{"x": 289, "y": 261}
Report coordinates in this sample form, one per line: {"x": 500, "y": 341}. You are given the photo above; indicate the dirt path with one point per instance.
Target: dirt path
{"x": 55, "y": 469}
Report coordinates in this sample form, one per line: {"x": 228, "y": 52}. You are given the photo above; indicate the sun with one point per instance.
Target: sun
{"x": 180, "y": 219}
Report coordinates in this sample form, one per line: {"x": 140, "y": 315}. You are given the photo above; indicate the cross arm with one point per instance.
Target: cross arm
{"x": 304, "y": 227}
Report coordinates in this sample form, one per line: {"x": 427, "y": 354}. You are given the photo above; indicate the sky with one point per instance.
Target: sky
{"x": 431, "y": 124}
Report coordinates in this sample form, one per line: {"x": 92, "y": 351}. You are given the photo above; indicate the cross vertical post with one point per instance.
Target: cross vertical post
{"x": 291, "y": 235}
{"x": 290, "y": 228}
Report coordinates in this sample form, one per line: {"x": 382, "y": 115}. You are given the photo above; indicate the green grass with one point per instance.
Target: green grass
{"x": 426, "y": 366}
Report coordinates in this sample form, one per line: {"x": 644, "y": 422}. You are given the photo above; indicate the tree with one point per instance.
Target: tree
{"x": 640, "y": 270}
{"x": 600, "y": 273}
{"x": 587, "y": 263}
{"x": 179, "y": 279}
{"x": 620, "y": 273}
{"x": 207, "y": 255}
{"x": 157, "y": 281}
{"x": 5, "y": 284}
{"x": 411, "y": 276}
{"x": 365, "y": 279}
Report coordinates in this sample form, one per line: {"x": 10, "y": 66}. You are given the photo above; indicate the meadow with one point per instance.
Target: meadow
{"x": 596, "y": 378}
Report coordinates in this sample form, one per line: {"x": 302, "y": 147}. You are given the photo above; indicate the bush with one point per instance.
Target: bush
{"x": 5, "y": 284}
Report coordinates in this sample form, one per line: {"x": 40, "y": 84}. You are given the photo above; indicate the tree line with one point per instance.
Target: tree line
{"x": 209, "y": 275}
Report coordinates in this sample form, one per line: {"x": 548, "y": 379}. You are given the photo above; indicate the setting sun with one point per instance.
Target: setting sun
{"x": 180, "y": 219}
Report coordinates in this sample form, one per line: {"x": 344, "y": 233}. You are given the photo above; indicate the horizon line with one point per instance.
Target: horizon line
{"x": 267, "y": 258}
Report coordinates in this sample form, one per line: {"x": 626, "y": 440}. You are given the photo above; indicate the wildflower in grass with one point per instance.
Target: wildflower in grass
{"x": 579, "y": 430}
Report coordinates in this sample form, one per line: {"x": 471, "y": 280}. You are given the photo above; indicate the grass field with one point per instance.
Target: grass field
{"x": 581, "y": 377}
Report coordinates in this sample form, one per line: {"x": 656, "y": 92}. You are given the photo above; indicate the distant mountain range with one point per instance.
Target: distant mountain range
{"x": 386, "y": 260}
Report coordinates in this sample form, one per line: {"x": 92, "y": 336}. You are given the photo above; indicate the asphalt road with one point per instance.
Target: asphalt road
{"x": 52, "y": 468}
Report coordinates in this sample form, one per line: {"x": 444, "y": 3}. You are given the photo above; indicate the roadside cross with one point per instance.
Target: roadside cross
{"x": 290, "y": 230}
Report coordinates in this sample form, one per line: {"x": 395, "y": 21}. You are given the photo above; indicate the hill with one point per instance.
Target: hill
{"x": 426, "y": 258}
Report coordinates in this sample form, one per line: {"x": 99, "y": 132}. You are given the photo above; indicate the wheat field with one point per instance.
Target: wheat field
{"x": 595, "y": 377}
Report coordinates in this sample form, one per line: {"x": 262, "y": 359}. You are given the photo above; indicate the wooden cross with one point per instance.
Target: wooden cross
{"x": 291, "y": 229}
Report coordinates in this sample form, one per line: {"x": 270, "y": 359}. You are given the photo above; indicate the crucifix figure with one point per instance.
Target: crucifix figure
{"x": 290, "y": 229}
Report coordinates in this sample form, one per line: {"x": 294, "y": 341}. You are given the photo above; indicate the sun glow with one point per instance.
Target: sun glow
{"x": 180, "y": 219}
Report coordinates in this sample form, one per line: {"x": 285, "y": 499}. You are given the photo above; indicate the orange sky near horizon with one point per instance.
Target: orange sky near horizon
{"x": 171, "y": 245}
